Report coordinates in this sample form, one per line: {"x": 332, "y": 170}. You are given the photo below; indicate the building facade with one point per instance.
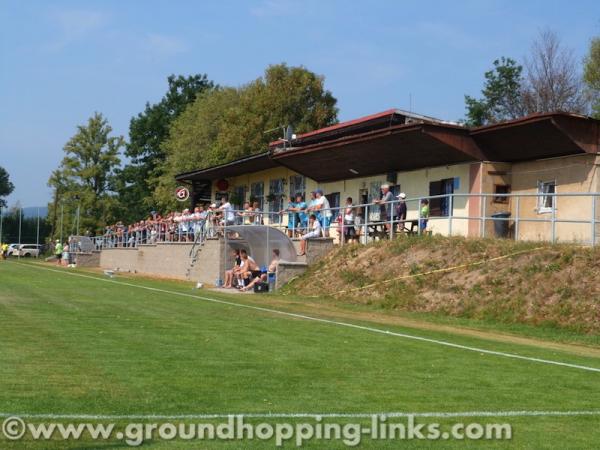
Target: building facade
{"x": 524, "y": 168}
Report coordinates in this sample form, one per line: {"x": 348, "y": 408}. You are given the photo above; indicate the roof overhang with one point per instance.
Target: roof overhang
{"x": 399, "y": 148}
{"x": 539, "y": 136}
{"x": 242, "y": 166}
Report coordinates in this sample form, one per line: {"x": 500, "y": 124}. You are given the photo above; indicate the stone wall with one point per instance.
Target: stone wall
{"x": 87, "y": 259}
{"x": 170, "y": 260}
{"x": 173, "y": 260}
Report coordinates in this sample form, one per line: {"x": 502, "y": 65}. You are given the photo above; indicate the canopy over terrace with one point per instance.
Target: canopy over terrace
{"x": 397, "y": 148}
{"x": 260, "y": 242}
{"x": 539, "y": 136}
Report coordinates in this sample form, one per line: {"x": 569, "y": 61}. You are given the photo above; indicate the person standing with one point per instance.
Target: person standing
{"x": 385, "y": 206}
{"x": 423, "y": 215}
{"x": 401, "y": 211}
{"x": 323, "y": 208}
{"x": 58, "y": 252}
{"x": 349, "y": 220}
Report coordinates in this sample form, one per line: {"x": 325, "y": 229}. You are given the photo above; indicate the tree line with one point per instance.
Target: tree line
{"x": 199, "y": 123}
{"x": 550, "y": 79}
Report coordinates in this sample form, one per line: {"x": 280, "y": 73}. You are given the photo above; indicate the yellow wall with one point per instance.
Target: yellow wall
{"x": 572, "y": 174}
{"x": 414, "y": 183}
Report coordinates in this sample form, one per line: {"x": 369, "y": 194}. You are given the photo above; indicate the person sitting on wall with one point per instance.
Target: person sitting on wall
{"x": 314, "y": 231}
{"x": 229, "y": 274}
{"x": 401, "y": 211}
{"x": 264, "y": 277}
{"x": 423, "y": 215}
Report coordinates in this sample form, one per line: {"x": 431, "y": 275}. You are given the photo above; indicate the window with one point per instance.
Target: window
{"x": 239, "y": 197}
{"x": 275, "y": 198}
{"x": 297, "y": 186}
{"x": 501, "y": 189}
{"x": 257, "y": 192}
{"x": 441, "y": 206}
{"x": 334, "y": 202}
{"x": 545, "y": 199}
{"x": 374, "y": 191}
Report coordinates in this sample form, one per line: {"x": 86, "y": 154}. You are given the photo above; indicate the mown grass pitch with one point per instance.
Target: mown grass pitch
{"x": 81, "y": 345}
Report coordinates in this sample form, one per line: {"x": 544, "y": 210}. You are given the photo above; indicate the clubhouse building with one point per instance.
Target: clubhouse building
{"x": 535, "y": 159}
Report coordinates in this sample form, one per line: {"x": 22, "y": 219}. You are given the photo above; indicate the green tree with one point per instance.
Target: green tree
{"x": 502, "y": 95}
{"x": 85, "y": 178}
{"x": 229, "y": 123}
{"x": 591, "y": 74}
{"x": 147, "y": 131}
{"x": 6, "y": 187}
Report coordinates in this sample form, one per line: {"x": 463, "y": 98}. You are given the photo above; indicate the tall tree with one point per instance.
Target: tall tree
{"x": 230, "y": 123}
{"x": 85, "y": 178}
{"x": 591, "y": 74}
{"x": 6, "y": 187}
{"x": 553, "y": 78}
{"x": 147, "y": 131}
{"x": 502, "y": 99}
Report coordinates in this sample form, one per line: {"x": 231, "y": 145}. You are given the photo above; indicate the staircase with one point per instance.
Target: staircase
{"x": 193, "y": 254}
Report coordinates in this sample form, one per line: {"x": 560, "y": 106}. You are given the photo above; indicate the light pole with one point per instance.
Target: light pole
{"x": 62, "y": 211}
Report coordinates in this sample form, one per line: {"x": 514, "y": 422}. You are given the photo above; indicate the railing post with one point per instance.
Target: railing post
{"x": 450, "y": 213}
{"x": 517, "y": 213}
{"x": 419, "y": 221}
{"x": 553, "y": 219}
{"x": 593, "y": 220}
{"x": 366, "y": 226}
{"x": 484, "y": 200}
{"x": 391, "y": 219}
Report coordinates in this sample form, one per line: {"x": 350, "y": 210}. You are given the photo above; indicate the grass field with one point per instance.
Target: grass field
{"x": 87, "y": 345}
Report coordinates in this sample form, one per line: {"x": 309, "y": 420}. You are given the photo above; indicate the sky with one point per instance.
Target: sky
{"x": 60, "y": 61}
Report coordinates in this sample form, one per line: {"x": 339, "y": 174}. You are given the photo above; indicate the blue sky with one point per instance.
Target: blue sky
{"x": 62, "y": 60}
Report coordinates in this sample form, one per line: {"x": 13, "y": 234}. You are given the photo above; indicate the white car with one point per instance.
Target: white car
{"x": 12, "y": 249}
{"x": 28, "y": 250}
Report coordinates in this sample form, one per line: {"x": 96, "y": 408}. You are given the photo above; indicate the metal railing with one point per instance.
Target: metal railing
{"x": 570, "y": 217}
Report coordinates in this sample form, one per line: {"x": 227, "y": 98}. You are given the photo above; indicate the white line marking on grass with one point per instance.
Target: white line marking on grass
{"x": 304, "y": 415}
{"x": 328, "y": 321}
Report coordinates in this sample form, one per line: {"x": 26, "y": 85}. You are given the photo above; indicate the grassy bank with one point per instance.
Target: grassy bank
{"x": 554, "y": 287}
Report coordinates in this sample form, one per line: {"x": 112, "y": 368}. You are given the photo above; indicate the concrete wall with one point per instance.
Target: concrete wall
{"x": 170, "y": 260}
{"x": 91, "y": 259}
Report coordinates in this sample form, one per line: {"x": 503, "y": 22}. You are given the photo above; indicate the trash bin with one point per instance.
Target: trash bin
{"x": 501, "y": 224}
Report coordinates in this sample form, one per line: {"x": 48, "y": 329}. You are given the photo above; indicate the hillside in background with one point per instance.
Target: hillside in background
{"x": 504, "y": 281}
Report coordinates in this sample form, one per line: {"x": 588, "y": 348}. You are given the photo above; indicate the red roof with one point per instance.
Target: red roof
{"x": 341, "y": 125}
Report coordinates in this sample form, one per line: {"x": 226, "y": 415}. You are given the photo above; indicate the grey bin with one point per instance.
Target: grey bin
{"x": 501, "y": 223}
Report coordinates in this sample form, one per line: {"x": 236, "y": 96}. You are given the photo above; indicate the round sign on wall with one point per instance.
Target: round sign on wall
{"x": 182, "y": 193}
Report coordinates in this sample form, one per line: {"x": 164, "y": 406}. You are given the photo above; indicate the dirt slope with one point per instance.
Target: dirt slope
{"x": 557, "y": 285}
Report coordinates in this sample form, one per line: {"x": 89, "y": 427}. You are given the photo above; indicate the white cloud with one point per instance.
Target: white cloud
{"x": 164, "y": 45}
{"x": 74, "y": 25}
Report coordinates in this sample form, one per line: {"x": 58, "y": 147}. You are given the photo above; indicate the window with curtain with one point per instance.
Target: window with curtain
{"x": 276, "y": 198}
{"x": 257, "y": 193}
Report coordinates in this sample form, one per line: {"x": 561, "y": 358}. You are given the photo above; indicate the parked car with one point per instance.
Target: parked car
{"x": 12, "y": 249}
{"x": 28, "y": 250}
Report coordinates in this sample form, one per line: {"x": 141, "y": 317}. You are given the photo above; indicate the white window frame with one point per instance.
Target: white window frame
{"x": 543, "y": 195}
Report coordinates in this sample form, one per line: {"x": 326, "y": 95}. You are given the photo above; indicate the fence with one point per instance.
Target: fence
{"x": 24, "y": 227}
{"x": 553, "y": 217}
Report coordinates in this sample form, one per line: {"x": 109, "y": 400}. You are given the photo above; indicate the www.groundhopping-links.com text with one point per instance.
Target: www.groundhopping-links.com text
{"x": 380, "y": 427}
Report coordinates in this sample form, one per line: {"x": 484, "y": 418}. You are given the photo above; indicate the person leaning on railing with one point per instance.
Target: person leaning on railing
{"x": 385, "y": 206}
